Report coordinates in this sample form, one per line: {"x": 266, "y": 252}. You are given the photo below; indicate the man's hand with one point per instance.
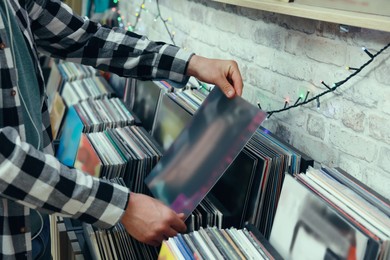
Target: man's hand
{"x": 150, "y": 221}
{"x": 222, "y": 73}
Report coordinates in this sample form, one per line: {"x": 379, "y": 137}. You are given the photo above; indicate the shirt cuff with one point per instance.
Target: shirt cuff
{"x": 106, "y": 205}
{"x": 172, "y": 65}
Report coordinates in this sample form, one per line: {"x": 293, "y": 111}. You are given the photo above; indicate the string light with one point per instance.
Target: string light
{"x": 368, "y": 53}
{"x": 334, "y": 86}
{"x": 165, "y": 21}
{"x": 323, "y": 83}
{"x": 307, "y": 95}
{"x": 351, "y": 68}
{"x": 296, "y": 102}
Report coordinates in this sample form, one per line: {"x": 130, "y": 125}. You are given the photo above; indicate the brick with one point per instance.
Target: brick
{"x": 283, "y": 132}
{"x": 352, "y": 143}
{"x": 266, "y": 100}
{"x": 196, "y": 13}
{"x": 249, "y": 94}
{"x": 382, "y": 72}
{"x": 295, "y": 119}
{"x": 328, "y": 73}
{"x": 378, "y": 181}
{"x": 246, "y": 28}
{"x": 353, "y": 116}
{"x": 353, "y": 166}
{"x": 384, "y": 159}
{"x": 330, "y": 106}
{"x": 257, "y": 15}
{"x": 365, "y": 92}
{"x": 316, "y": 126}
{"x": 259, "y": 78}
{"x": 264, "y": 56}
{"x": 303, "y": 70}
{"x": 320, "y": 49}
{"x": 307, "y": 26}
{"x": 269, "y": 35}
{"x": 383, "y": 103}
{"x": 244, "y": 50}
{"x": 223, "y": 21}
{"x": 379, "y": 128}
{"x": 317, "y": 149}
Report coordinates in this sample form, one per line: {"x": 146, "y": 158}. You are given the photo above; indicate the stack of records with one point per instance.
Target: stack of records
{"x": 330, "y": 215}
{"x": 271, "y": 160}
{"x": 205, "y": 214}
{"x": 98, "y": 115}
{"x": 66, "y": 72}
{"x": 89, "y": 116}
{"x": 63, "y": 74}
{"x": 116, "y": 243}
{"x": 189, "y": 99}
{"x": 71, "y": 71}
{"x": 88, "y": 88}
{"x": 128, "y": 153}
{"x": 215, "y": 243}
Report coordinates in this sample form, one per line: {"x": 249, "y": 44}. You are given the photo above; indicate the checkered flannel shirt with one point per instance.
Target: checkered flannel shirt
{"x": 33, "y": 179}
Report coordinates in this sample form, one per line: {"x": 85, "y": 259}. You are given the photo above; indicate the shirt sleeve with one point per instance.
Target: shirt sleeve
{"x": 39, "y": 181}
{"x": 61, "y": 33}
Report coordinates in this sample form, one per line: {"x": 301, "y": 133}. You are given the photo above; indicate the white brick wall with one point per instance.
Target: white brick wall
{"x": 282, "y": 56}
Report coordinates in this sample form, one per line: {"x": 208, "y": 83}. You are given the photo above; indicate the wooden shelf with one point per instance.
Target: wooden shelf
{"x": 370, "y": 21}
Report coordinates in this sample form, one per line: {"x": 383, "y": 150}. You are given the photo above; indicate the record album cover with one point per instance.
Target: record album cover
{"x": 70, "y": 138}
{"x": 87, "y": 159}
{"x": 204, "y": 149}
{"x": 306, "y": 227}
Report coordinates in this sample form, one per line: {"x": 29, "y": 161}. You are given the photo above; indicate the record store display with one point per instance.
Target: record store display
{"x": 257, "y": 170}
{"x": 264, "y": 201}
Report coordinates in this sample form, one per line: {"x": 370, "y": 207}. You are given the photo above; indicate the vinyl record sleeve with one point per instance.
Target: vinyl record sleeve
{"x": 147, "y": 95}
{"x": 312, "y": 222}
{"x": 70, "y": 138}
{"x": 204, "y": 149}
{"x": 170, "y": 120}
{"x": 57, "y": 112}
{"x": 87, "y": 160}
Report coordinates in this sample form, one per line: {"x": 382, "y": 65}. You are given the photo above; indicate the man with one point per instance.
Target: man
{"x": 30, "y": 177}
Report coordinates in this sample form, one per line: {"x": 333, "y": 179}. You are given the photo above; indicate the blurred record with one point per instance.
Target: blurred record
{"x": 202, "y": 152}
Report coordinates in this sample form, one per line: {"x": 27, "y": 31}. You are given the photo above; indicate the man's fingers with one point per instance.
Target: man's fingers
{"x": 227, "y": 89}
{"x": 179, "y": 226}
{"x": 237, "y": 82}
{"x": 235, "y": 79}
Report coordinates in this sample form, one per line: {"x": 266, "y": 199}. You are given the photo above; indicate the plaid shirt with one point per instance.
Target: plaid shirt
{"x": 33, "y": 179}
